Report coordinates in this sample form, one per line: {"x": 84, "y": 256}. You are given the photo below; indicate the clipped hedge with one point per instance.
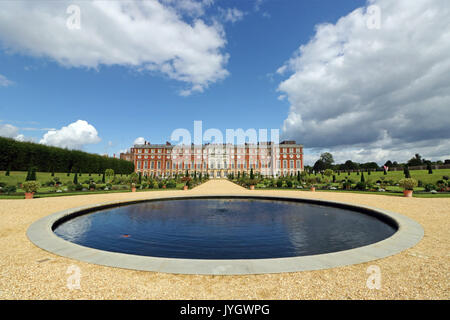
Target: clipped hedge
{"x": 20, "y": 156}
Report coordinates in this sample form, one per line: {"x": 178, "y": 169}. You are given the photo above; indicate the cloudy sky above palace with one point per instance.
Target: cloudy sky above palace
{"x": 328, "y": 75}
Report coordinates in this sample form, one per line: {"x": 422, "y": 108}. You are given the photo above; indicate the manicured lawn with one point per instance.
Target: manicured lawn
{"x": 16, "y": 177}
{"x": 421, "y": 175}
{"x": 49, "y": 192}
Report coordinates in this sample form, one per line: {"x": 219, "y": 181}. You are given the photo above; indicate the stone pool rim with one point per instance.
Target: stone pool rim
{"x": 408, "y": 234}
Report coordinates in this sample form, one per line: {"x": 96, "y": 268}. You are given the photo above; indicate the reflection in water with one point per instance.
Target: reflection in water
{"x": 224, "y": 229}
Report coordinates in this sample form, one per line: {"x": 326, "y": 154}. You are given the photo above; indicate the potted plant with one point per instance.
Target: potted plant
{"x": 312, "y": 183}
{"x": 133, "y": 180}
{"x": 187, "y": 185}
{"x": 30, "y": 187}
{"x": 408, "y": 185}
{"x": 251, "y": 183}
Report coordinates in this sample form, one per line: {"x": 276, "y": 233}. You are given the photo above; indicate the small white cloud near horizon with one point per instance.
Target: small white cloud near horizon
{"x": 231, "y": 14}
{"x": 74, "y": 136}
{"x": 10, "y": 131}
{"x": 5, "y": 82}
{"x": 139, "y": 140}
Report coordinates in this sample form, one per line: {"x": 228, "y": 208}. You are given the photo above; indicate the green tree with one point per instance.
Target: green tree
{"x": 109, "y": 173}
{"x": 75, "y": 178}
{"x": 415, "y": 161}
{"x": 31, "y": 175}
{"x": 429, "y": 167}
{"x": 362, "y": 177}
{"x": 28, "y": 177}
{"x": 319, "y": 166}
{"x": 327, "y": 159}
{"x": 328, "y": 172}
{"x": 406, "y": 172}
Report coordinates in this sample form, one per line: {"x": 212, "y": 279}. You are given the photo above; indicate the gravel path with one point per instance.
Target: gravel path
{"x": 421, "y": 272}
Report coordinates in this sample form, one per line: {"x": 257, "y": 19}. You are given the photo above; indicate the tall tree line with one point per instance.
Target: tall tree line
{"x": 20, "y": 156}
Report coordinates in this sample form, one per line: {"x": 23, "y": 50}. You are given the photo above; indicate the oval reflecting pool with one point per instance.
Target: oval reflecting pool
{"x": 224, "y": 229}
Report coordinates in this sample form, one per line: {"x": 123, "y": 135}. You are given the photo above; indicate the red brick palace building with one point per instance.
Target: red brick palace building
{"x": 217, "y": 160}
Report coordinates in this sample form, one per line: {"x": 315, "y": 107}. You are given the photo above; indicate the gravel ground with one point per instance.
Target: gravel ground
{"x": 28, "y": 272}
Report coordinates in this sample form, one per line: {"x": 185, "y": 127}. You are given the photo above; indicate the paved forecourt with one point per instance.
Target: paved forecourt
{"x": 28, "y": 272}
{"x": 408, "y": 234}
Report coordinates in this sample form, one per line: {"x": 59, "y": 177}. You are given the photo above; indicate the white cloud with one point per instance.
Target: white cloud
{"x": 193, "y": 8}
{"x": 73, "y": 136}
{"x": 139, "y": 140}
{"x": 5, "y": 82}
{"x": 8, "y": 130}
{"x": 257, "y": 5}
{"x": 374, "y": 92}
{"x": 145, "y": 35}
{"x": 231, "y": 14}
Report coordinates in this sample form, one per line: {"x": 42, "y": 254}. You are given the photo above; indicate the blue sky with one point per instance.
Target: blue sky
{"x": 123, "y": 102}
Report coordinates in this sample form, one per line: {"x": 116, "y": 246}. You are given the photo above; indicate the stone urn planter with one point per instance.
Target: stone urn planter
{"x": 408, "y": 193}
{"x": 185, "y": 187}
{"x": 29, "y": 195}
{"x": 164, "y": 186}
{"x": 252, "y": 187}
{"x": 133, "y": 189}
{"x": 313, "y": 189}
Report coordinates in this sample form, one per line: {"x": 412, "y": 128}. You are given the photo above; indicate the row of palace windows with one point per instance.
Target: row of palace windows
{"x": 282, "y": 150}
{"x": 212, "y": 165}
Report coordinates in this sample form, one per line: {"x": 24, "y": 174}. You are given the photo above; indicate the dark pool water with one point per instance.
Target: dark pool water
{"x": 224, "y": 229}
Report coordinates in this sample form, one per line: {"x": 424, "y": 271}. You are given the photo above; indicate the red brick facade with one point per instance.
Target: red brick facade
{"x": 217, "y": 160}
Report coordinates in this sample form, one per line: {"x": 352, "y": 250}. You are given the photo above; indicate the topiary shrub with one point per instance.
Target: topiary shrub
{"x": 171, "y": 184}
{"x": 361, "y": 185}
